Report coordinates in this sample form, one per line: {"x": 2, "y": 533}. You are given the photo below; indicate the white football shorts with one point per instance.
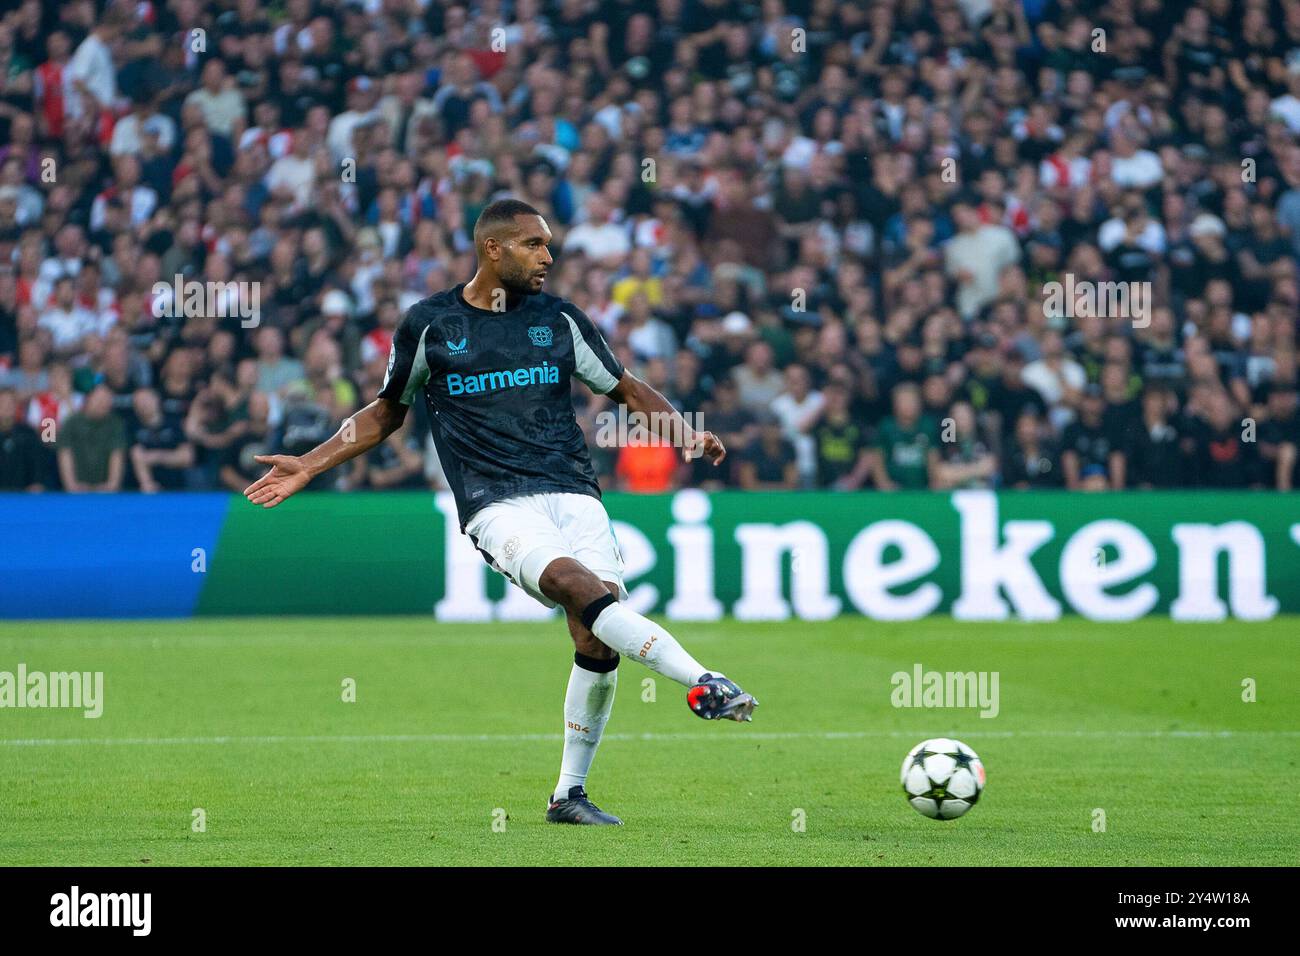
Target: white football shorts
{"x": 520, "y": 536}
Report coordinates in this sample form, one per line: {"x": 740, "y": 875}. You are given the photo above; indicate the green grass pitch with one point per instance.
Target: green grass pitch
{"x": 457, "y": 726}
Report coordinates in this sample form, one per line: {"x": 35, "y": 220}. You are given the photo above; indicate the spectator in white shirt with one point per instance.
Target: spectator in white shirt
{"x": 648, "y": 336}
{"x": 798, "y": 408}
{"x": 220, "y": 100}
{"x": 976, "y": 256}
{"x": 758, "y": 383}
{"x": 291, "y": 177}
{"x": 66, "y": 321}
{"x": 1056, "y": 377}
{"x": 1068, "y": 168}
{"x": 1132, "y": 221}
{"x": 69, "y": 249}
{"x": 140, "y": 200}
{"x": 1131, "y": 167}
{"x": 363, "y": 94}
{"x": 1287, "y": 107}
{"x": 599, "y": 238}
{"x": 599, "y": 304}
{"x": 91, "y": 75}
{"x": 130, "y": 132}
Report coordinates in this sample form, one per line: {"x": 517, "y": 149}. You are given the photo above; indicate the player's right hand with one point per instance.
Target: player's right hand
{"x": 287, "y": 476}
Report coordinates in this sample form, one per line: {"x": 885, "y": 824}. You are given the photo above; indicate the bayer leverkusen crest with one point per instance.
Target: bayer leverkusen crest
{"x": 540, "y": 334}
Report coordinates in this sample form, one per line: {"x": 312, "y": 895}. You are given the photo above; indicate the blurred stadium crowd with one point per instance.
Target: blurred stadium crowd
{"x": 825, "y": 226}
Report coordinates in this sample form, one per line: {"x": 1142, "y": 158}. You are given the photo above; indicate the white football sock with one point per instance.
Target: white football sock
{"x": 640, "y": 639}
{"x": 587, "y": 704}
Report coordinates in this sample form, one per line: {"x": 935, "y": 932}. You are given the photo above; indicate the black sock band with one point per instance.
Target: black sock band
{"x": 594, "y": 664}
{"x": 592, "y": 610}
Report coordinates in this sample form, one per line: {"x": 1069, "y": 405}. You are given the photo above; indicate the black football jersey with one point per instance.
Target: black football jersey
{"x": 497, "y": 388}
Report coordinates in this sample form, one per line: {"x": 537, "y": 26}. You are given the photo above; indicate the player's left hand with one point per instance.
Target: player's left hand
{"x": 707, "y": 444}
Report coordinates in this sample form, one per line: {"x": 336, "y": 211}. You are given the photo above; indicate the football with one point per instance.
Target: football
{"x": 942, "y": 778}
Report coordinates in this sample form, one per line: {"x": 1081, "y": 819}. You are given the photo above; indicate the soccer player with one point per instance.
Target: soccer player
{"x": 494, "y": 357}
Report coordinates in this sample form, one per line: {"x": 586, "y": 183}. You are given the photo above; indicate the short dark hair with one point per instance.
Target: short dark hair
{"x": 499, "y": 213}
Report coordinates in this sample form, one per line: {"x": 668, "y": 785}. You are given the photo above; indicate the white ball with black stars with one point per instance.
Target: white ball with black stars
{"x": 942, "y": 778}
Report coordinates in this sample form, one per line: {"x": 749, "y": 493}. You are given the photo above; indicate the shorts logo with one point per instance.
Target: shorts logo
{"x": 541, "y": 335}
{"x": 511, "y": 548}
{"x": 457, "y": 348}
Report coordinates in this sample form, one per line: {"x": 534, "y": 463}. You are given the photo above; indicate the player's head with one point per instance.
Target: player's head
{"x": 510, "y": 238}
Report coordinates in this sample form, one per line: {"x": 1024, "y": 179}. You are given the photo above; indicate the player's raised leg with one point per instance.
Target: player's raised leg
{"x": 635, "y": 636}
{"x": 587, "y": 705}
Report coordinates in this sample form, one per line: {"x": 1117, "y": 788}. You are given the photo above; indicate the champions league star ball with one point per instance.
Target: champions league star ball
{"x": 942, "y": 778}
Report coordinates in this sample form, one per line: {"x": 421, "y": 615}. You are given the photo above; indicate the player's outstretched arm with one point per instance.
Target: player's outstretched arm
{"x": 360, "y": 433}
{"x": 665, "y": 421}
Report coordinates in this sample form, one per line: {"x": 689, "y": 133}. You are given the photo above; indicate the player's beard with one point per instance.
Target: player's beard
{"x": 517, "y": 281}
